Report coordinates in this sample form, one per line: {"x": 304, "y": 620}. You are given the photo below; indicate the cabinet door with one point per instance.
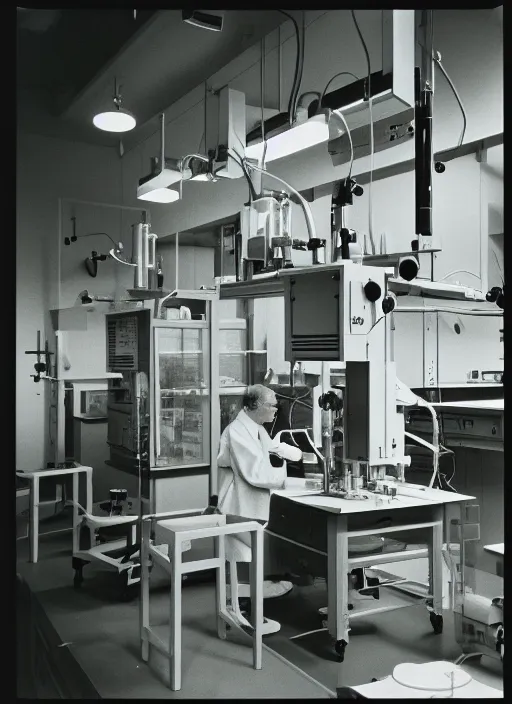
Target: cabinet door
{"x": 182, "y": 423}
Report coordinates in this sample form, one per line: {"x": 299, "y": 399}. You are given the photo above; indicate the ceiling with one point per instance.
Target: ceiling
{"x": 68, "y": 60}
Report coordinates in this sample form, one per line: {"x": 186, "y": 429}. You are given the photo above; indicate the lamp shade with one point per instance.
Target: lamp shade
{"x": 116, "y": 120}
{"x": 160, "y": 195}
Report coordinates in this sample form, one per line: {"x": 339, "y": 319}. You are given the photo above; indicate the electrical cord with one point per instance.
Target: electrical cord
{"x": 349, "y": 135}
{"x": 262, "y": 77}
{"x": 93, "y": 234}
{"x": 375, "y": 323}
{"x": 290, "y": 414}
{"x": 296, "y": 79}
{"x": 437, "y": 60}
{"x": 337, "y": 75}
{"x": 372, "y": 145}
{"x": 252, "y": 191}
{"x": 499, "y": 267}
{"x": 370, "y": 184}
{"x": 459, "y": 271}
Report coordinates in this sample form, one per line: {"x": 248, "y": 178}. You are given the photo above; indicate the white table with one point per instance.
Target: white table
{"x": 34, "y": 478}
{"x": 412, "y": 510}
{"x": 388, "y": 688}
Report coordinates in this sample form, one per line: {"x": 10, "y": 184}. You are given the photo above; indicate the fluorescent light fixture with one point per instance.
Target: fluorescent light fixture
{"x": 117, "y": 119}
{"x": 156, "y": 186}
{"x": 308, "y": 134}
{"x": 160, "y": 195}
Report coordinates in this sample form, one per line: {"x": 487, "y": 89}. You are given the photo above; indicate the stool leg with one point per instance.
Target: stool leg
{"x": 257, "y": 596}
{"x": 144, "y": 596}
{"x": 175, "y": 622}
{"x": 233, "y": 583}
{"x": 221, "y": 587}
{"x": 76, "y": 499}
{"x": 34, "y": 519}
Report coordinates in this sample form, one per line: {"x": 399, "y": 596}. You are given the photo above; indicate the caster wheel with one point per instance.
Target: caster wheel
{"x": 339, "y": 647}
{"x": 130, "y": 593}
{"x": 77, "y": 580}
{"x": 437, "y": 622}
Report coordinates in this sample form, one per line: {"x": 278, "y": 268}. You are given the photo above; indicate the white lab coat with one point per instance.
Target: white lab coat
{"x": 246, "y": 476}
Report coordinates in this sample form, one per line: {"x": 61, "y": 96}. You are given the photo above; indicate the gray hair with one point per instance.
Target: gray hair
{"x": 253, "y": 395}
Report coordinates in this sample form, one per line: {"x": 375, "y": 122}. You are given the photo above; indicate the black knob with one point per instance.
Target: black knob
{"x": 492, "y": 295}
{"x": 408, "y": 268}
{"x": 388, "y": 304}
{"x": 372, "y": 291}
{"x": 67, "y": 241}
{"x": 439, "y": 167}
{"x": 500, "y": 300}
{"x": 357, "y": 190}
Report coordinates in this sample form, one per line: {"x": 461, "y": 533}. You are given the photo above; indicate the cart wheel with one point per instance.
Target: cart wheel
{"x": 437, "y": 622}
{"x": 130, "y": 592}
{"x": 78, "y": 579}
{"x": 339, "y": 647}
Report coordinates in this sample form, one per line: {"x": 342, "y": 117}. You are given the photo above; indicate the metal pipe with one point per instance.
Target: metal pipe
{"x": 162, "y": 141}
{"x": 279, "y": 68}
{"x": 458, "y": 311}
{"x": 423, "y": 136}
{"x": 176, "y": 265}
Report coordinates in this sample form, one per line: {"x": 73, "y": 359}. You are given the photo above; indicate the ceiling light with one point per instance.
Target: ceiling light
{"x": 308, "y": 134}
{"x": 207, "y": 19}
{"x": 164, "y": 173}
{"x": 117, "y": 119}
{"x": 155, "y": 187}
{"x": 160, "y": 195}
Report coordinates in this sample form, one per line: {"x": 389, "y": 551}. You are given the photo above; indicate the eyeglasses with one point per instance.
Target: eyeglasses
{"x": 269, "y": 405}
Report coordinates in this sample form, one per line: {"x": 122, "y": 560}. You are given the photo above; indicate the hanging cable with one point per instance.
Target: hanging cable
{"x": 337, "y": 75}
{"x": 372, "y": 145}
{"x": 296, "y": 79}
{"x": 262, "y": 86}
{"x": 349, "y": 135}
{"x": 437, "y": 60}
{"x": 252, "y": 191}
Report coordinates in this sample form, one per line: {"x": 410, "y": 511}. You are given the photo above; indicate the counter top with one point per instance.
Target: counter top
{"x": 481, "y": 405}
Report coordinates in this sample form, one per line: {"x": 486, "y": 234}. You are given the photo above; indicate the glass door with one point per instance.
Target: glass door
{"x": 182, "y": 395}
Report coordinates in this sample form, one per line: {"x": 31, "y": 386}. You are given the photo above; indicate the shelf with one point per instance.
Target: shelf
{"x": 183, "y": 392}
{"x": 161, "y": 354}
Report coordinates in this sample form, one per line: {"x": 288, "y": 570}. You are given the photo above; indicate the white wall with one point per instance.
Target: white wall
{"x": 195, "y": 266}
{"x": 47, "y": 169}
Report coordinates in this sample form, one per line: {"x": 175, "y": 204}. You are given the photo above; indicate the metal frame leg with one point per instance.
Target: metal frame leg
{"x": 175, "y": 621}
{"x": 257, "y": 596}
{"x": 144, "y": 590}
{"x": 34, "y": 519}
{"x": 220, "y": 586}
{"x": 337, "y": 581}
{"x": 76, "y": 480}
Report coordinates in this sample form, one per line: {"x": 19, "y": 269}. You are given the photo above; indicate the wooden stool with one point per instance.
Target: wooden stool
{"x": 173, "y": 529}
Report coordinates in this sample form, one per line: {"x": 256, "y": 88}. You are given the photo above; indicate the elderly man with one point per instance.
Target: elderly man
{"x": 246, "y": 476}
